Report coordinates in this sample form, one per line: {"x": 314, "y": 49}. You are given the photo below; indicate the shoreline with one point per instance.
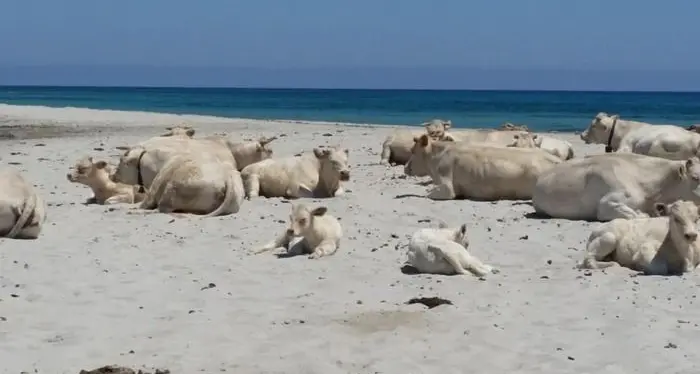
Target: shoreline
{"x": 59, "y": 115}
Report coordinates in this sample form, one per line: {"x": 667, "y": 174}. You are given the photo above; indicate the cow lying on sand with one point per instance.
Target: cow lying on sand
{"x": 558, "y": 147}
{"x": 319, "y": 233}
{"x": 478, "y": 172}
{"x": 396, "y": 149}
{"x": 198, "y": 185}
{"x": 22, "y": 210}
{"x": 666, "y": 141}
{"x": 97, "y": 176}
{"x": 666, "y": 245}
{"x": 615, "y": 185}
{"x": 179, "y": 131}
{"x": 308, "y": 175}
{"x": 495, "y": 138}
{"x": 444, "y": 251}
{"x": 140, "y": 164}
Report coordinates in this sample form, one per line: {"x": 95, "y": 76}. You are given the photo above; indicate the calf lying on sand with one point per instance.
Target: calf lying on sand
{"x": 444, "y": 251}
{"x": 396, "y": 149}
{"x": 199, "y": 185}
{"x": 462, "y": 170}
{"x": 495, "y": 138}
{"x": 614, "y": 185}
{"x": 319, "y": 233}
{"x": 309, "y": 175}
{"x": 558, "y": 147}
{"x": 22, "y": 211}
{"x": 666, "y": 245}
{"x": 97, "y": 176}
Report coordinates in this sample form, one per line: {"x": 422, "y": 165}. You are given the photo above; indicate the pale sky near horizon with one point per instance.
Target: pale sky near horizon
{"x": 491, "y": 34}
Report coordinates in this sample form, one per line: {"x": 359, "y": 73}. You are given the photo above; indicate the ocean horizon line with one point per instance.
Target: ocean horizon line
{"x": 338, "y": 89}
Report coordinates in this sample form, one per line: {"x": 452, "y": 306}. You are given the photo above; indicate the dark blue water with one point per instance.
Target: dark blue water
{"x": 540, "y": 110}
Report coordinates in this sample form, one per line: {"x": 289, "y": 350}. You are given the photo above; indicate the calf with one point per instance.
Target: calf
{"x": 22, "y": 210}
{"x": 664, "y": 245}
{"x": 316, "y": 175}
{"x": 444, "y": 251}
{"x": 320, "y": 233}
{"x": 97, "y": 176}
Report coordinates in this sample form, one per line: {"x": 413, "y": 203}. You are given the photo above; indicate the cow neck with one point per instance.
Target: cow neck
{"x": 608, "y": 147}
{"x": 139, "y": 177}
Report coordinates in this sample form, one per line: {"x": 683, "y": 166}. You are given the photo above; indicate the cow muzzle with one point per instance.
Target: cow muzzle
{"x": 344, "y": 175}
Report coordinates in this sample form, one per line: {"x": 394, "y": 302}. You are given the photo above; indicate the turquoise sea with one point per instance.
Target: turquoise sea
{"x": 540, "y": 110}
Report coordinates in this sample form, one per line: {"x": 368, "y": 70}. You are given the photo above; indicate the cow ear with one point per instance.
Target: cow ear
{"x": 661, "y": 209}
{"x": 319, "y": 211}
{"x": 101, "y": 164}
{"x": 447, "y": 124}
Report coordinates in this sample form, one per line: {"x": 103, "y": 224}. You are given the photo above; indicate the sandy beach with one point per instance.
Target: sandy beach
{"x": 103, "y": 287}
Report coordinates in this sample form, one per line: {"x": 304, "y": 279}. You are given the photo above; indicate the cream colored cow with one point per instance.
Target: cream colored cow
{"x": 96, "y": 175}
{"x": 195, "y": 184}
{"x": 22, "y": 210}
{"x": 615, "y": 185}
{"x": 665, "y": 141}
{"x": 308, "y": 175}
{"x": 310, "y": 231}
{"x": 140, "y": 164}
{"x": 558, "y": 147}
{"x": 179, "y": 131}
{"x": 665, "y": 245}
{"x": 396, "y": 149}
{"x": 496, "y": 138}
{"x": 444, "y": 251}
{"x": 478, "y": 172}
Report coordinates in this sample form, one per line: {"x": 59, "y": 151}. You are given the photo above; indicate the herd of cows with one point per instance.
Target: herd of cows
{"x": 645, "y": 187}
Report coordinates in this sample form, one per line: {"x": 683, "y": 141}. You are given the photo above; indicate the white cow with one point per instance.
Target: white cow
{"x": 478, "y": 172}
{"x": 665, "y": 141}
{"x": 444, "y": 251}
{"x": 179, "y": 131}
{"x": 22, "y": 210}
{"x": 199, "y": 185}
{"x": 558, "y": 147}
{"x": 318, "y": 233}
{"x": 308, "y": 175}
{"x": 96, "y": 175}
{"x": 396, "y": 149}
{"x": 665, "y": 245}
{"x": 140, "y": 164}
{"x": 615, "y": 185}
{"x": 496, "y": 138}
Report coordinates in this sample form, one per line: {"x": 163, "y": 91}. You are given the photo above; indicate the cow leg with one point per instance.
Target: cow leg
{"x": 325, "y": 248}
{"x": 442, "y": 192}
{"x": 475, "y": 265}
{"x": 617, "y": 205}
{"x": 281, "y": 241}
{"x": 118, "y": 199}
{"x": 449, "y": 256}
{"x": 251, "y": 184}
{"x": 597, "y": 250}
{"x": 339, "y": 192}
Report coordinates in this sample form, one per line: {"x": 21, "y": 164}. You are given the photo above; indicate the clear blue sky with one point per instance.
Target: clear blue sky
{"x": 432, "y": 35}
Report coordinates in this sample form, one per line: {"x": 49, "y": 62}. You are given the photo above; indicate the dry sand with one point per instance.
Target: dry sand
{"x": 102, "y": 287}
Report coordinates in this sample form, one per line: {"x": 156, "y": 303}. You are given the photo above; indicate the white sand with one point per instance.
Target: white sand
{"x": 102, "y": 287}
